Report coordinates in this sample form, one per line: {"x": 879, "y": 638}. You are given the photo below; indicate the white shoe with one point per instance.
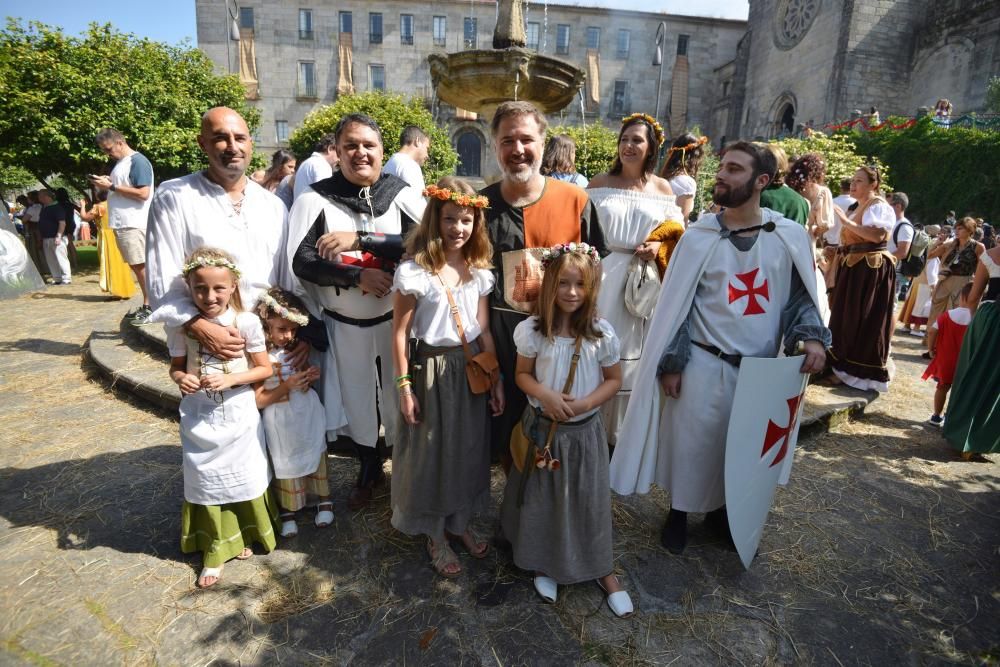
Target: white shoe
{"x": 289, "y": 528}
{"x": 324, "y": 517}
{"x": 547, "y": 588}
{"x": 619, "y": 602}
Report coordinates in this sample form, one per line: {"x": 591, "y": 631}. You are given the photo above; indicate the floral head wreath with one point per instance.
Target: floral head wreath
{"x": 657, "y": 128}
{"x": 460, "y": 198}
{"x": 550, "y": 255}
{"x": 701, "y": 141}
{"x": 281, "y": 311}
{"x": 198, "y": 262}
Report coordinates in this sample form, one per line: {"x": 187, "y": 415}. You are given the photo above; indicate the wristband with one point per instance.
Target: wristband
{"x": 112, "y": 187}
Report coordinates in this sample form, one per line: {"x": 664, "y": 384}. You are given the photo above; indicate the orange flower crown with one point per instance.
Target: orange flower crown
{"x": 657, "y": 128}
{"x": 460, "y": 198}
{"x": 690, "y": 147}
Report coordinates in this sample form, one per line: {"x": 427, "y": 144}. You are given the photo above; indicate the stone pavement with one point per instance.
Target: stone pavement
{"x": 882, "y": 549}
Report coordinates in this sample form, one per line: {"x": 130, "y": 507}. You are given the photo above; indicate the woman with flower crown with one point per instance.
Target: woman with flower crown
{"x": 632, "y": 201}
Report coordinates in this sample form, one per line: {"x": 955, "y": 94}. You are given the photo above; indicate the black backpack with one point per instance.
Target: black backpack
{"x": 916, "y": 258}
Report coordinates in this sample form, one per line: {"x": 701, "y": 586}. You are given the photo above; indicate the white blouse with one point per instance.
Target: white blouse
{"x": 879, "y": 215}
{"x": 554, "y": 357}
{"x": 683, "y": 185}
{"x": 432, "y": 320}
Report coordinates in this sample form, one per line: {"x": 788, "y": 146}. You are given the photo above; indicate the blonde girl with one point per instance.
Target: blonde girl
{"x": 294, "y": 420}
{"x": 227, "y": 505}
{"x": 557, "y": 511}
{"x": 441, "y": 464}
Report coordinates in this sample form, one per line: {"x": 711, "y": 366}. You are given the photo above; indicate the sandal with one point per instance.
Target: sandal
{"x": 474, "y": 544}
{"x": 209, "y": 573}
{"x": 324, "y": 517}
{"x": 246, "y": 554}
{"x": 619, "y": 602}
{"x": 547, "y": 588}
{"x": 289, "y": 528}
{"x": 442, "y": 557}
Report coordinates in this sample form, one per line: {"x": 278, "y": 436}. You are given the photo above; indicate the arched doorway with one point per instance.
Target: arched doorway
{"x": 470, "y": 154}
{"x": 786, "y": 119}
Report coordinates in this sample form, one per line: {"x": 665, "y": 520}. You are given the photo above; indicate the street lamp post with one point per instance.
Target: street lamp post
{"x": 661, "y": 36}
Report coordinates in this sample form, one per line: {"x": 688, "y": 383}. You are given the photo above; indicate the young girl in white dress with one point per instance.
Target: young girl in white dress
{"x": 227, "y": 505}
{"x": 557, "y": 512}
{"x": 294, "y": 420}
{"x": 441, "y": 463}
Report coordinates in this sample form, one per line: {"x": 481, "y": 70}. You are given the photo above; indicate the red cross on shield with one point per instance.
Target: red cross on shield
{"x": 782, "y": 433}
{"x": 750, "y": 291}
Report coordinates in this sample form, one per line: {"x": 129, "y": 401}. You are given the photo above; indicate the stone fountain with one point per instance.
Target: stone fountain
{"x": 479, "y": 80}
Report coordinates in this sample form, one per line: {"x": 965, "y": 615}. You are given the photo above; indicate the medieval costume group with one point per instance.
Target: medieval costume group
{"x": 469, "y": 327}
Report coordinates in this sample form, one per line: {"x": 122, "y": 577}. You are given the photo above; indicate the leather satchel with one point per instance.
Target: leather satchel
{"x": 522, "y": 446}
{"x": 482, "y": 370}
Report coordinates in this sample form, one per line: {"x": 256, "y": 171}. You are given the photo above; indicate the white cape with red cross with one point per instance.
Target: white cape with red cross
{"x": 763, "y": 429}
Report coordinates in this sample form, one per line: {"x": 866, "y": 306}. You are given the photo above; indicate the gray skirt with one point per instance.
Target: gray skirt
{"x": 563, "y": 527}
{"x": 441, "y": 466}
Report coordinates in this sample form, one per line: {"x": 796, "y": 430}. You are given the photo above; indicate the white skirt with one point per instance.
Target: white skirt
{"x": 296, "y": 434}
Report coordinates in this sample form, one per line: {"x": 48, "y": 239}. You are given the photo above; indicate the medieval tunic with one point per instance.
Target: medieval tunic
{"x": 441, "y": 466}
{"x": 358, "y": 324}
{"x": 562, "y": 214}
{"x": 628, "y": 218}
{"x": 741, "y": 295}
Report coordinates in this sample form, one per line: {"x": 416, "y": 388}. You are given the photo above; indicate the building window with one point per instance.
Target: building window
{"x": 346, "y": 22}
{"x": 682, "y": 45}
{"x": 593, "y": 38}
{"x": 281, "y": 131}
{"x": 725, "y": 88}
{"x": 406, "y": 29}
{"x": 618, "y": 101}
{"x": 562, "y": 39}
{"x": 374, "y": 28}
{"x": 305, "y": 24}
{"x": 533, "y": 28}
{"x": 624, "y": 43}
{"x": 307, "y": 79}
{"x": 470, "y": 32}
{"x": 246, "y": 17}
{"x": 376, "y": 77}
{"x": 440, "y": 30}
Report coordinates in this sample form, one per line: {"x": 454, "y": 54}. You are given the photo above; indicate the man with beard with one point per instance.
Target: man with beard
{"x": 346, "y": 236}
{"x": 739, "y": 282}
{"x": 527, "y": 211}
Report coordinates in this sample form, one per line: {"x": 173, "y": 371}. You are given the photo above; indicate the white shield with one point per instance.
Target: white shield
{"x": 760, "y": 444}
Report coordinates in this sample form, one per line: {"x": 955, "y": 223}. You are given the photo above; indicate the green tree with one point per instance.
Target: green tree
{"x": 58, "y": 91}
{"x": 392, "y": 112}
{"x": 841, "y": 154}
{"x": 596, "y": 146}
{"x": 14, "y": 178}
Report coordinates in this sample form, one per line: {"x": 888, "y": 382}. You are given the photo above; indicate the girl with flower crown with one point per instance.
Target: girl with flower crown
{"x": 227, "y": 505}
{"x": 557, "y": 504}
{"x": 632, "y": 202}
{"x": 441, "y": 462}
{"x": 294, "y": 420}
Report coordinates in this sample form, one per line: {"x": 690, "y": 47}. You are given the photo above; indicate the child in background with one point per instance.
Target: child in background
{"x": 294, "y": 420}
{"x": 557, "y": 511}
{"x": 441, "y": 464}
{"x": 227, "y": 505}
{"x": 944, "y": 340}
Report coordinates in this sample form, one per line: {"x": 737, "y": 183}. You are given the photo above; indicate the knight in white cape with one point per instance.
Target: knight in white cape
{"x": 740, "y": 284}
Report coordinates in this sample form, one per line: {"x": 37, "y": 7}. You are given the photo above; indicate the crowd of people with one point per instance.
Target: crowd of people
{"x": 541, "y": 322}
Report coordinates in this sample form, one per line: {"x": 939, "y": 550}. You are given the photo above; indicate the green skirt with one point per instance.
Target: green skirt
{"x": 221, "y": 532}
{"x": 972, "y": 423}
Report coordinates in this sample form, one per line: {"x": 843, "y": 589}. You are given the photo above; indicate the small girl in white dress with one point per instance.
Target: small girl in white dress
{"x": 227, "y": 505}
{"x": 294, "y": 420}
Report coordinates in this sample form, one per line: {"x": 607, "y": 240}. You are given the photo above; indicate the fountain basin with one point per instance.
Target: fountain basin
{"x": 480, "y": 80}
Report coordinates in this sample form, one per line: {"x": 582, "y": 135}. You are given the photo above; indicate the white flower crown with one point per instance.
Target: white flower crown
{"x": 279, "y": 310}
{"x": 198, "y": 262}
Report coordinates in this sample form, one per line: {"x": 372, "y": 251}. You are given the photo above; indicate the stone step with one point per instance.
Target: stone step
{"x": 135, "y": 358}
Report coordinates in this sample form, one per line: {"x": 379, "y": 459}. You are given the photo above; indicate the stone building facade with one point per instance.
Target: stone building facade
{"x": 296, "y": 56}
{"x": 820, "y": 60}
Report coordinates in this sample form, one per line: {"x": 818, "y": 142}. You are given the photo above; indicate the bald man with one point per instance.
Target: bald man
{"x": 219, "y": 207}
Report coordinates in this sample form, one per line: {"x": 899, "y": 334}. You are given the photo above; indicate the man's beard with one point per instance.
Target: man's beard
{"x": 734, "y": 197}
{"x": 522, "y": 175}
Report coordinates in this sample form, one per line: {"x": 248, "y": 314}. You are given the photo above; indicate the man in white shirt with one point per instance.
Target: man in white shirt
{"x": 414, "y": 146}
{"x": 221, "y": 208}
{"x": 318, "y": 166}
{"x": 130, "y": 191}
{"x": 901, "y": 236}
